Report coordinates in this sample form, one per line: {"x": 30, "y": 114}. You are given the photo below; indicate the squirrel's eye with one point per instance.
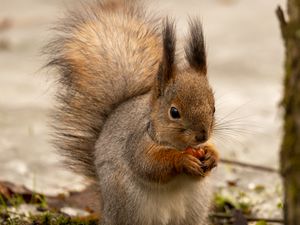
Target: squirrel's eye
{"x": 174, "y": 113}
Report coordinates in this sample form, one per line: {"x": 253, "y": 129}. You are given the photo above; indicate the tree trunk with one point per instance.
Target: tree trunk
{"x": 290, "y": 149}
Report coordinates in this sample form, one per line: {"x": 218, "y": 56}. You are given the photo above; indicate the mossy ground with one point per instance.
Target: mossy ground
{"x": 47, "y": 218}
{"x": 45, "y": 215}
{"x": 21, "y": 206}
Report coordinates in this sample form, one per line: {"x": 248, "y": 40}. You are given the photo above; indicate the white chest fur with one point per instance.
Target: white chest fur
{"x": 173, "y": 202}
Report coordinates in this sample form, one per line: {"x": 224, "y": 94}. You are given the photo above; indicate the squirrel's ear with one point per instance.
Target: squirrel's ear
{"x": 167, "y": 66}
{"x": 195, "y": 48}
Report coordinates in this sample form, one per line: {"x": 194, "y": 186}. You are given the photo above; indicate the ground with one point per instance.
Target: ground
{"x": 245, "y": 56}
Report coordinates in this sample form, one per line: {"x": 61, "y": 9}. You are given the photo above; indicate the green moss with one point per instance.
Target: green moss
{"x": 48, "y": 218}
{"x": 16, "y": 200}
{"x": 280, "y": 205}
{"x": 3, "y": 205}
{"x": 227, "y": 204}
{"x": 56, "y": 219}
{"x": 40, "y": 200}
{"x": 261, "y": 223}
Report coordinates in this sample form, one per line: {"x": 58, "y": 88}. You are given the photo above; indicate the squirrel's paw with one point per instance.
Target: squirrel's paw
{"x": 199, "y": 162}
{"x": 190, "y": 165}
{"x": 210, "y": 159}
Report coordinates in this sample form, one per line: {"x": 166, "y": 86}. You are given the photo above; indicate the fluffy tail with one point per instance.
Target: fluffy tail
{"x": 105, "y": 54}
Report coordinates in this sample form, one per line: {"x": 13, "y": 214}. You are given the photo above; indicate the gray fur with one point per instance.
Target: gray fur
{"x": 125, "y": 194}
{"x": 108, "y": 56}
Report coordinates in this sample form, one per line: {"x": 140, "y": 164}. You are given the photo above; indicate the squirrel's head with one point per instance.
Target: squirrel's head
{"x": 183, "y": 104}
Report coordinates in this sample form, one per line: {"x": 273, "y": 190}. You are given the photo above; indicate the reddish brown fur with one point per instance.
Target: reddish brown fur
{"x": 160, "y": 164}
{"x": 118, "y": 72}
{"x": 105, "y": 54}
{"x": 104, "y": 61}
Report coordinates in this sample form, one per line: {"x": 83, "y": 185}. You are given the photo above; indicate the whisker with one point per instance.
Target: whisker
{"x": 231, "y": 141}
{"x": 234, "y": 130}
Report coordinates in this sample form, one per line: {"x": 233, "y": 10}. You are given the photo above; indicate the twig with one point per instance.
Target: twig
{"x": 242, "y": 164}
{"x": 282, "y": 21}
{"x": 249, "y": 218}
{"x": 280, "y": 16}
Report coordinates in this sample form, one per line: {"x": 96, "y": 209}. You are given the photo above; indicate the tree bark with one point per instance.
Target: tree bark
{"x": 290, "y": 149}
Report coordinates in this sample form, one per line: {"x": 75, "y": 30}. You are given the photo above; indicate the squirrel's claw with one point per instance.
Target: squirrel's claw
{"x": 211, "y": 158}
{"x": 199, "y": 162}
{"x": 191, "y": 165}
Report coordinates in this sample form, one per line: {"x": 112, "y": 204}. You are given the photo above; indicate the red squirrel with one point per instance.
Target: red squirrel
{"x": 130, "y": 118}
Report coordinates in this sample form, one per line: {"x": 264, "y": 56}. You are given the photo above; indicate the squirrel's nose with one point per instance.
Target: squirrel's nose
{"x": 201, "y": 137}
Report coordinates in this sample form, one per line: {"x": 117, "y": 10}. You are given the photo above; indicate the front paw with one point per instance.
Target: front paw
{"x": 190, "y": 165}
{"x": 210, "y": 158}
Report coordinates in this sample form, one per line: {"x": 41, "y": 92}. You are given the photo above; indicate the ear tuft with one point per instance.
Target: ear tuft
{"x": 169, "y": 45}
{"x": 167, "y": 66}
{"x": 195, "y": 48}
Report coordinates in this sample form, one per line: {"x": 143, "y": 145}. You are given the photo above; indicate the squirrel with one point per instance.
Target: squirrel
{"x": 132, "y": 119}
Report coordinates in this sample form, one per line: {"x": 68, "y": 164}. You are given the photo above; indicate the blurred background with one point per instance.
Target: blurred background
{"x": 245, "y": 55}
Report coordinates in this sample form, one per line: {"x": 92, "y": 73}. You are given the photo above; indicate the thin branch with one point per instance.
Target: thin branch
{"x": 280, "y": 16}
{"x": 282, "y": 20}
{"x": 256, "y": 167}
{"x": 249, "y": 218}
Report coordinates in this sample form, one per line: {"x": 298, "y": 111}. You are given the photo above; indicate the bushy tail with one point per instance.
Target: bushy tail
{"x": 105, "y": 54}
